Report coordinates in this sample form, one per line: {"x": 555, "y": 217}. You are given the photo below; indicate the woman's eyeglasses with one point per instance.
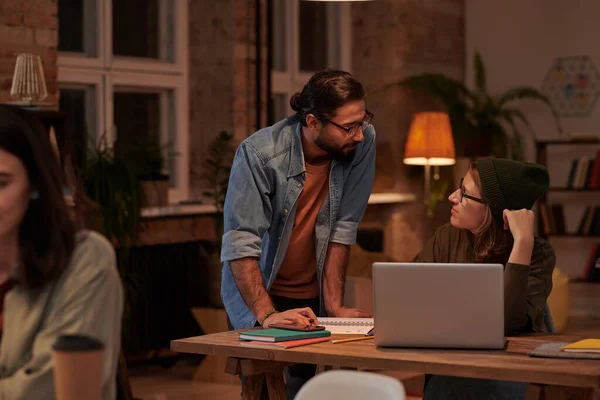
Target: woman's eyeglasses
{"x": 463, "y": 194}
{"x": 351, "y": 130}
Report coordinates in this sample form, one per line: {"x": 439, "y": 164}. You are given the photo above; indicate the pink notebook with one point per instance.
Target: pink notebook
{"x": 283, "y": 345}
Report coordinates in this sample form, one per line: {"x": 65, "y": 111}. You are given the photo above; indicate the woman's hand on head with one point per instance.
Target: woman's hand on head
{"x": 520, "y": 223}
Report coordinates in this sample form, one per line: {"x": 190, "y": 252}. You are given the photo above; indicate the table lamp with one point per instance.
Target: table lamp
{"x": 430, "y": 143}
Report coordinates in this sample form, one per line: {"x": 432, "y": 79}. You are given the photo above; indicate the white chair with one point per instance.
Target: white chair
{"x": 351, "y": 385}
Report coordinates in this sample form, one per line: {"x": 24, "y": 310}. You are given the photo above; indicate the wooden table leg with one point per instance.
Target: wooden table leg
{"x": 534, "y": 392}
{"x": 257, "y": 372}
{"x": 253, "y": 387}
{"x": 212, "y": 320}
{"x": 276, "y": 385}
{"x": 551, "y": 392}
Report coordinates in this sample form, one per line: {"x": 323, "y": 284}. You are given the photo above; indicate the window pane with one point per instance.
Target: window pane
{"x": 145, "y": 129}
{"x": 77, "y": 26}
{"x": 142, "y": 28}
{"x": 79, "y": 104}
{"x": 279, "y": 51}
{"x": 137, "y": 118}
{"x": 313, "y": 36}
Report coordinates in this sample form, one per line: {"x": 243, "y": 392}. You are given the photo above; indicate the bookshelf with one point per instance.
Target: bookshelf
{"x": 566, "y": 189}
{"x": 574, "y": 234}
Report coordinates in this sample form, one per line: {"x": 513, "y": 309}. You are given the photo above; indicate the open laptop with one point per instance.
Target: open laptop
{"x": 438, "y": 305}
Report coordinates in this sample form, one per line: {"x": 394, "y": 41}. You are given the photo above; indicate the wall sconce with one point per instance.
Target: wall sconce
{"x": 28, "y": 85}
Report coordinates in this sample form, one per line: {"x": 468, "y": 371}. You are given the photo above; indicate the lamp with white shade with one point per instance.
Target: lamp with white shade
{"x": 430, "y": 143}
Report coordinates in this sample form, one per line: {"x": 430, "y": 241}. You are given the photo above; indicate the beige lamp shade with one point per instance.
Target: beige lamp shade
{"x": 430, "y": 140}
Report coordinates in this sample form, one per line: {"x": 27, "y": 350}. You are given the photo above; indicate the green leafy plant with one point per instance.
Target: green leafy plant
{"x": 215, "y": 175}
{"x": 215, "y": 178}
{"x": 148, "y": 159}
{"x": 482, "y": 125}
{"x": 109, "y": 182}
{"x": 437, "y": 193}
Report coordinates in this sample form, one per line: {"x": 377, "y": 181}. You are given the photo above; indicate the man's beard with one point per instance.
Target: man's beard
{"x": 335, "y": 151}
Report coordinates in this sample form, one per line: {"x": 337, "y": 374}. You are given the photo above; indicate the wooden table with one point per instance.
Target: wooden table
{"x": 549, "y": 378}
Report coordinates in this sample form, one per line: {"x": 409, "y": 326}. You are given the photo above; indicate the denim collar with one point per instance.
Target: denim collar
{"x": 297, "y": 155}
{"x": 297, "y": 166}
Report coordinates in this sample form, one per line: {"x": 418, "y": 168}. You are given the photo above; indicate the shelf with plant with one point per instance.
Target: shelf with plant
{"x": 482, "y": 124}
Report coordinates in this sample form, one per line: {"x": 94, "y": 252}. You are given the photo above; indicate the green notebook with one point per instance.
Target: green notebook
{"x": 281, "y": 335}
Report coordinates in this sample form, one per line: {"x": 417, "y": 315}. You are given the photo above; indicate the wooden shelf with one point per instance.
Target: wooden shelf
{"x": 574, "y": 235}
{"x": 567, "y": 142}
{"x": 566, "y": 189}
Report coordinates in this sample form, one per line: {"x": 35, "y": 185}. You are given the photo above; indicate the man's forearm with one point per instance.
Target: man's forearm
{"x": 334, "y": 276}
{"x": 249, "y": 282}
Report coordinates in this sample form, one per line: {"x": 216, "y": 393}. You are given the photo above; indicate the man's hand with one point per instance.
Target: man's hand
{"x": 346, "y": 312}
{"x": 297, "y": 316}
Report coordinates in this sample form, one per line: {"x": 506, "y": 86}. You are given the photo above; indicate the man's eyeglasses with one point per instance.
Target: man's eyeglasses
{"x": 463, "y": 194}
{"x": 351, "y": 130}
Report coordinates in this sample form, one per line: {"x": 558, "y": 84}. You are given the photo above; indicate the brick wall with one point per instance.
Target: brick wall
{"x": 222, "y": 75}
{"x": 390, "y": 40}
{"x": 28, "y": 26}
{"x": 211, "y": 77}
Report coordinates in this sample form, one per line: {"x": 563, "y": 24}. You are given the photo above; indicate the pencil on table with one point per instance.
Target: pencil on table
{"x": 351, "y": 339}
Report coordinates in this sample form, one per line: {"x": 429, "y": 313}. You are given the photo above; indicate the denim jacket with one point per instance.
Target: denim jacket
{"x": 267, "y": 177}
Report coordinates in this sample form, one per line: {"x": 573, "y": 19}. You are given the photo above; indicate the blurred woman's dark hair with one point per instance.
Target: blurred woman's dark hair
{"x": 47, "y": 231}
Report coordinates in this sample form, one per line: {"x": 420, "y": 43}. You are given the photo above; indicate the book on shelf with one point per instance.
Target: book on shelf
{"x": 558, "y": 219}
{"x": 589, "y": 224}
{"x": 545, "y": 218}
{"x": 585, "y": 172}
{"x": 553, "y": 219}
{"x": 592, "y": 271}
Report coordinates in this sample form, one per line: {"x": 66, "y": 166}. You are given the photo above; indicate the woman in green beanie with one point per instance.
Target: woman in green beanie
{"x": 492, "y": 222}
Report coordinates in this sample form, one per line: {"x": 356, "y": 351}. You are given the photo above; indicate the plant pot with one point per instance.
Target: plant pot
{"x": 155, "y": 191}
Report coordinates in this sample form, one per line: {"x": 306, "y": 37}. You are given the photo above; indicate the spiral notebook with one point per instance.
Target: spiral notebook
{"x": 348, "y": 326}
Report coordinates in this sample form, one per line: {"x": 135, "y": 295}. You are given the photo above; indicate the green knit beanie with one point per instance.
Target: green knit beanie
{"x": 511, "y": 185}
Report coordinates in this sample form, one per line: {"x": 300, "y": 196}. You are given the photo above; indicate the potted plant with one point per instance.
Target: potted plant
{"x": 147, "y": 161}
{"x": 215, "y": 177}
{"x": 482, "y": 124}
{"x": 109, "y": 182}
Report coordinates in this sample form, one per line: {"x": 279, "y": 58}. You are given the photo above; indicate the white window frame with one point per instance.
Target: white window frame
{"x": 293, "y": 79}
{"x": 105, "y": 71}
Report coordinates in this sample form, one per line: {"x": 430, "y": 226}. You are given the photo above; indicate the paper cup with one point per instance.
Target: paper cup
{"x": 77, "y": 367}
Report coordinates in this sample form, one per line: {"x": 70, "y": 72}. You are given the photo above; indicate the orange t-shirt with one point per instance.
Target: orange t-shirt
{"x": 297, "y": 277}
